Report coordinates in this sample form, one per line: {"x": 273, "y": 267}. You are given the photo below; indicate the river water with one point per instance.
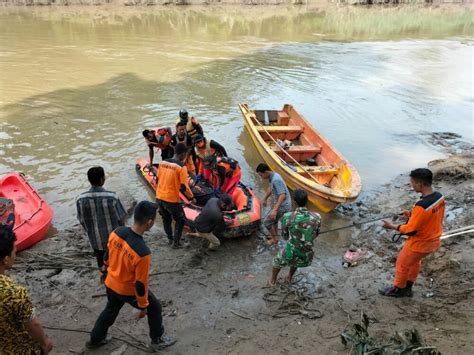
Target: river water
{"x": 78, "y": 87}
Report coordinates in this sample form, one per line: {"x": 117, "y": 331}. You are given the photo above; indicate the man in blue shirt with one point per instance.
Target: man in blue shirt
{"x": 281, "y": 200}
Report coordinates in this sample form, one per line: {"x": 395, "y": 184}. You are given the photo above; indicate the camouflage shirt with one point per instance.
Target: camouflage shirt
{"x": 299, "y": 229}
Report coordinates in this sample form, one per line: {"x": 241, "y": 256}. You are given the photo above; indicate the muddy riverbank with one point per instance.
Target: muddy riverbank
{"x": 214, "y": 302}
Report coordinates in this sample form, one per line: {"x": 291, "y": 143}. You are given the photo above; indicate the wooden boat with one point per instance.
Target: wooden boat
{"x": 245, "y": 220}
{"x": 33, "y": 216}
{"x": 302, "y": 156}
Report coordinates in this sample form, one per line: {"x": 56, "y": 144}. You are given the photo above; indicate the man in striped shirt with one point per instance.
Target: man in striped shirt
{"x": 99, "y": 211}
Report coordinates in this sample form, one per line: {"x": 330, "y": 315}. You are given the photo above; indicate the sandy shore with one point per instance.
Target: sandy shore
{"x": 217, "y": 303}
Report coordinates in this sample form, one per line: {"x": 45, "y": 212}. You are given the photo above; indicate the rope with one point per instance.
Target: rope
{"x": 355, "y": 224}
{"x": 293, "y": 299}
{"x": 138, "y": 344}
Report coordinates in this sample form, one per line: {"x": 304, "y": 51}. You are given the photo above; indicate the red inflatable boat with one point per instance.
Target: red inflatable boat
{"x": 246, "y": 218}
{"x": 32, "y": 214}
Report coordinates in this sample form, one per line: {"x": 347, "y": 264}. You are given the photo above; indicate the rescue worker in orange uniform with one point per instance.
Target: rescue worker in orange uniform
{"x": 161, "y": 139}
{"x": 181, "y": 136}
{"x": 193, "y": 127}
{"x": 127, "y": 265}
{"x": 226, "y": 173}
{"x": 423, "y": 228}
{"x": 173, "y": 179}
{"x": 204, "y": 148}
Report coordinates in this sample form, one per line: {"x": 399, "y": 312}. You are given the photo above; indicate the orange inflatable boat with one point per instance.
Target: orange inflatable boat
{"x": 245, "y": 219}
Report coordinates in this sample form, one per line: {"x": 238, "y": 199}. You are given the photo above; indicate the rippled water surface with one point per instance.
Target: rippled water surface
{"x": 77, "y": 91}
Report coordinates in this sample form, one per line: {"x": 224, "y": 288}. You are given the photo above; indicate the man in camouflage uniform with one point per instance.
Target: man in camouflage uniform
{"x": 299, "y": 229}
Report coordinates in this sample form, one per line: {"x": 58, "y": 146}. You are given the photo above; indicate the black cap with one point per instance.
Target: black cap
{"x": 210, "y": 161}
{"x": 198, "y": 138}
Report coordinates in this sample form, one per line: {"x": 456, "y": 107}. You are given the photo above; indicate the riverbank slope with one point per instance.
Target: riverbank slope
{"x": 218, "y": 303}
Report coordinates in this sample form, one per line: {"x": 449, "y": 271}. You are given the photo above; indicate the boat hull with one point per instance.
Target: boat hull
{"x": 33, "y": 215}
{"x": 322, "y": 195}
{"x": 245, "y": 221}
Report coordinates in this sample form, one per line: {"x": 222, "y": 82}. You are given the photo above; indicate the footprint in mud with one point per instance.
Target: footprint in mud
{"x": 196, "y": 259}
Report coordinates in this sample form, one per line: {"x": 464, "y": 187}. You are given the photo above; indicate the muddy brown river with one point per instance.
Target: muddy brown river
{"x": 78, "y": 87}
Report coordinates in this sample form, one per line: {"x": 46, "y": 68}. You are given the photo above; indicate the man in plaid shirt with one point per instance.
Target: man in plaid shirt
{"x": 99, "y": 211}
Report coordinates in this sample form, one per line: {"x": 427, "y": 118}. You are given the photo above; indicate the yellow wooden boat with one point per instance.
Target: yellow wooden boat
{"x": 302, "y": 156}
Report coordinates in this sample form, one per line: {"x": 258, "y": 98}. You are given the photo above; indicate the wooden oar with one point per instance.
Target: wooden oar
{"x": 284, "y": 151}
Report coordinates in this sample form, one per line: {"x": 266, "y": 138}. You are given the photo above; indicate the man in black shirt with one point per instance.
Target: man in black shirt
{"x": 211, "y": 219}
{"x": 181, "y": 136}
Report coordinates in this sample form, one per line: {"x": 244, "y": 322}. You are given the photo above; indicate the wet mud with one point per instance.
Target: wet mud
{"x": 218, "y": 302}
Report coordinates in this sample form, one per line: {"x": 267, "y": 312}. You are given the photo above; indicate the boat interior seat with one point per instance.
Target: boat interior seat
{"x": 280, "y": 132}
{"x": 298, "y": 152}
{"x": 318, "y": 170}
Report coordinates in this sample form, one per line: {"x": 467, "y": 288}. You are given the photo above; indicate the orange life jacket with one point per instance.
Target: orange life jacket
{"x": 227, "y": 174}
{"x": 190, "y": 126}
{"x": 162, "y": 138}
{"x": 205, "y": 151}
{"x": 229, "y": 165}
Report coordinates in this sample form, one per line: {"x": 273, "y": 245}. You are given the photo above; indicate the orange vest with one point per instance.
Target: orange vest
{"x": 190, "y": 126}
{"x": 205, "y": 151}
{"x": 163, "y": 138}
{"x": 229, "y": 165}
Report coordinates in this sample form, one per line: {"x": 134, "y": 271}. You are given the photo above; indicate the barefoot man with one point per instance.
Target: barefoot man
{"x": 281, "y": 200}
{"x": 299, "y": 229}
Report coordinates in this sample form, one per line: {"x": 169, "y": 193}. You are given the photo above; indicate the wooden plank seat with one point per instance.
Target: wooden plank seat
{"x": 280, "y": 129}
{"x": 298, "y": 152}
{"x": 280, "y": 132}
{"x": 320, "y": 170}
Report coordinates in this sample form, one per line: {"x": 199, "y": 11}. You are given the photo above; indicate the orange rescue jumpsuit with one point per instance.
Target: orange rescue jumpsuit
{"x": 424, "y": 228}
